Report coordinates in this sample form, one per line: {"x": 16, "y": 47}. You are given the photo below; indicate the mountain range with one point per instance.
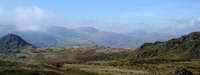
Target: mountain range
{"x": 54, "y": 36}
{"x": 60, "y": 36}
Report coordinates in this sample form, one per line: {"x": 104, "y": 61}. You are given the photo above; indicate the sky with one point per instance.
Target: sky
{"x": 122, "y": 16}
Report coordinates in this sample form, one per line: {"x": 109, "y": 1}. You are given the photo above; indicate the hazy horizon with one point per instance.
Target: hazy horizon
{"x": 155, "y": 16}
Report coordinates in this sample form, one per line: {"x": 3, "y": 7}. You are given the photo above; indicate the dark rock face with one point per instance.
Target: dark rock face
{"x": 193, "y": 44}
{"x": 12, "y": 41}
{"x": 146, "y": 44}
{"x": 182, "y": 71}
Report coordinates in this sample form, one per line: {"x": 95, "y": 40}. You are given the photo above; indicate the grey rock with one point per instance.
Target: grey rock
{"x": 181, "y": 71}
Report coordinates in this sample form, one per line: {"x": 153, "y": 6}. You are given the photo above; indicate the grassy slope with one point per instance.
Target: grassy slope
{"x": 104, "y": 67}
{"x": 135, "y": 67}
{"x": 16, "y": 68}
{"x": 69, "y": 54}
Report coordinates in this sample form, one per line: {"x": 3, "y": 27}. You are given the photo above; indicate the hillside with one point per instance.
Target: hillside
{"x": 185, "y": 47}
{"x": 18, "y": 68}
{"x": 12, "y": 42}
{"x": 72, "y": 54}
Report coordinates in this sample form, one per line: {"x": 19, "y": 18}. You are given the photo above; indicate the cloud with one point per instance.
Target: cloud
{"x": 183, "y": 26}
{"x": 171, "y": 27}
{"x": 30, "y": 28}
{"x": 195, "y": 22}
{"x": 33, "y": 18}
{"x": 1, "y": 11}
{"x": 36, "y": 19}
{"x": 34, "y": 14}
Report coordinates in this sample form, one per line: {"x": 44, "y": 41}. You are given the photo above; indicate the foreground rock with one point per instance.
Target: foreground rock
{"x": 180, "y": 71}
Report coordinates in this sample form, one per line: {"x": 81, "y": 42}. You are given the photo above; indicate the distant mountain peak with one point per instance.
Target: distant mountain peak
{"x": 12, "y": 41}
{"x": 88, "y": 29}
{"x": 11, "y": 35}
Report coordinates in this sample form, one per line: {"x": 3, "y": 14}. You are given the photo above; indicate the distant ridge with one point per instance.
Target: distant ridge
{"x": 55, "y": 36}
{"x": 12, "y": 41}
{"x": 185, "y": 47}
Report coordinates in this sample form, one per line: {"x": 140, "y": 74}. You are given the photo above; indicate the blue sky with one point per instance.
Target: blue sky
{"x": 112, "y": 8}
{"x": 112, "y": 15}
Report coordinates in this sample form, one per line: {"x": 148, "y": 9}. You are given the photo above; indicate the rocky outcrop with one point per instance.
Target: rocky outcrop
{"x": 180, "y": 71}
{"x": 187, "y": 46}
